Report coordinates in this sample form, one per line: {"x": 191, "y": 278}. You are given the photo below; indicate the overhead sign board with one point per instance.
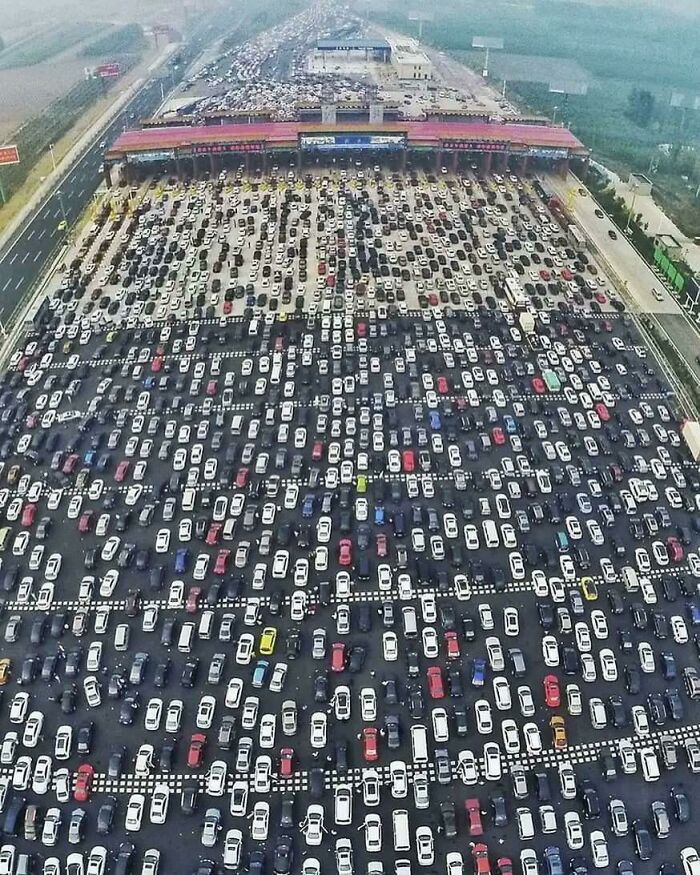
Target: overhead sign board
{"x": 9, "y": 155}
{"x": 148, "y": 157}
{"x": 474, "y": 146}
{"x": 329, "y": 142}
{"x": 224, "y": 148}
{"x": 487, "y": 42}
{"x": 540, "y": 152}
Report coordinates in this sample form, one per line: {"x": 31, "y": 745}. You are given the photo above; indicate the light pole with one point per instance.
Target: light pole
{"x": 631, "y": 210}
{"x": 554, "y": 115}
{"x": 59, "y": 195}
{"x": 53, "y": 157}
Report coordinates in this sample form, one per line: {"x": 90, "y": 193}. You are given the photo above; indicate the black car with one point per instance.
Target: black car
{"x": 85, "y": 737}
{"x": 642, "y": 840}
{"x": 115, "y": 765}
{"x": 392, "y": 731}
{"x": 188, "y": 798}
{"x": 448, "y": 818}
{"x": 283, "y": 855}
{"x": 589, "y": 799}
{"x": 105, "y": 816}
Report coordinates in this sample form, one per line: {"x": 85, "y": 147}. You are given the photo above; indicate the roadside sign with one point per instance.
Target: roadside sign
{"x": 9, "y": 155}
{"x": 105, "y": 71}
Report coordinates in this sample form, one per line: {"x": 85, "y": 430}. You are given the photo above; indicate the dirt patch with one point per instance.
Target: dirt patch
{"x": 23, "y": 96}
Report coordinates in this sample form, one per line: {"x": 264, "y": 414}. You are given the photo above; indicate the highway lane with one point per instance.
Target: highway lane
{"x": 29, "y": 255}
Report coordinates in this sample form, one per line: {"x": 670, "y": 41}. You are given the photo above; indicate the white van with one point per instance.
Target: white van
{"x": 121, "y": 637}
{"x": 402, "y": 835}
{"x": 630, "y": 579}
{"x": 237, "y": 424}
{"x": 490, "y": 533}
{"x": 184, "y": 642}
{"x": 206, "y": 625}
{"x": 419, "y": 743}
{"x": 188, "y": 499}
{"x": 650, "y": 764}
{"x": 410, "y": 622}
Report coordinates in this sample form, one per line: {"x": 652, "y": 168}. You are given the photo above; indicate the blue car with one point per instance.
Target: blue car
{"x": 181, "y": 560}
{"x": 510, "y": 424}
{"x": 435, "y": 421}
{"x": 307, "y": 508}
{"x": 478, "y": 672}
{"x": 260, "y": 673}
{"x": 89, "y": 458}
{"x": 379, "y": 515}
{"x": 149, "y": 382}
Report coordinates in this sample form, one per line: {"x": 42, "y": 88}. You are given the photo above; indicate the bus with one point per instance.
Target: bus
{"x": 515, "y": 295}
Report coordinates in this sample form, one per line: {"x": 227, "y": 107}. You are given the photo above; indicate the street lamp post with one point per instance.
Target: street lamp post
{"x": 554, "y": 115}
{"x": 631, "y": 210}
{"x": 59, "y": 195}
{"x": 53, "y": 157}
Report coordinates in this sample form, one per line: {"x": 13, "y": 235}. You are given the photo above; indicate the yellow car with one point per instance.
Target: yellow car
{"x": 267, "y": 641}
{"x": 282, "y": 317}
{"x": 5, "y": 670}
{"x": 559, "y": 739}
{"x": 361, "y": 484}
{"x": 589, "y": 589}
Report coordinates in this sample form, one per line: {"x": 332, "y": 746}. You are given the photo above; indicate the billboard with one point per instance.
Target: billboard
{"x": 106, "y": 71}
{"x": 542, "y": 152}
{"x": 224, "y": 148}
{"x": 153, "y": 155}
{"x": 474, "y": 145}
{"x": 329, "y": 142}
{"x": 9, "y": 155}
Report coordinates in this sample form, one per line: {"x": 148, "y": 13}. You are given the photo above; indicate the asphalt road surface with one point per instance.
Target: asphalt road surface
{"x": 28, "y": 256}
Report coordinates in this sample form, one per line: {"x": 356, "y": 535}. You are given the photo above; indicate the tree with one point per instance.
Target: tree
{"x": 640, "y": 106}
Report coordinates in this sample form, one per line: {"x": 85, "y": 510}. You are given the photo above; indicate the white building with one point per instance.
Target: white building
{"x": 410, "y": 62}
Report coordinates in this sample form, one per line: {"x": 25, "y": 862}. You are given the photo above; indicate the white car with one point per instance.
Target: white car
{"x": 160, "y": 800}
{"x": 319, "y": 723}
{"x": 431, "y": 646}
{"x": 390, "y": 646}
{"x": 679, "y": 629}
{"x": 441, "y": 730}
{"x": 205, "y": 712}
{"x": 574, "y": 830}
{"x": 312, "y": 827}
{"x": 502, "y": 694}
{"x": 608, "y": 665}
{"x": 368, "y": 704}
{"x": 599, "y": 849}
{"x": 154, "y": 711}
{"x": 484, "y": 719}
{"x": 533, "y": 739}
{"x": 640, "y": 720}
{"x": 550, "y": 651}
{"x": 511, "y": 738}
{"x": 425, "y": 846}
{"x": 233, "y": 843}
{"x": 399, "y": 779}
{"x": 261, "y": 821}
{"x": 216, "y": 778}
{"x": 134, "y": 812}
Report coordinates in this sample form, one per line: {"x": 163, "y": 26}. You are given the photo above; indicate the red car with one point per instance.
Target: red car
{"x": 317, "y": 451}
{"x": 345, "y": 552}
{"x": 369, "y": 744}
{"x": 70, "y": 464}
{"x": 538, "y": 386}
{"x": 228, "y": 307}
{"x": 122, "y": 471}
{"x": 381, "y": 544}
{"x": 442, "y": 386}
{"x": 86, "y": 521}
{"x": 602, "y": 412}
{"x": 600, "y": 298}
{"x": 480, "y": 853}
{"x": 83, "y": 783}
{"x": 505, "y": 866}
{"x": 546, "y": 275}
{"x": 362, "y": 329}
{"x": 552, "y": 694}
{"x": 286, "y": 762}
{"x": 474, "y": 824}
{"x": 28, "y": 515}
{"x": 193, "y": 597}
{"x": 242, "y": 478}
{"x": 212, "y": 388}
{"x": 452, "y": 643}
{"x": 338, "y": 656}
{"x": 675, "y": 549}
{"x": 213, "y": 534}
{"x": 195, "y": 752}
{"x": 566, "y": 274}
{"x": 222, "y": 558}
{"x": 409, "y": 461}
{"x": 436, "y": 686}
{"x": 156, "y": 364}
{"x": 498, "y": 435}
